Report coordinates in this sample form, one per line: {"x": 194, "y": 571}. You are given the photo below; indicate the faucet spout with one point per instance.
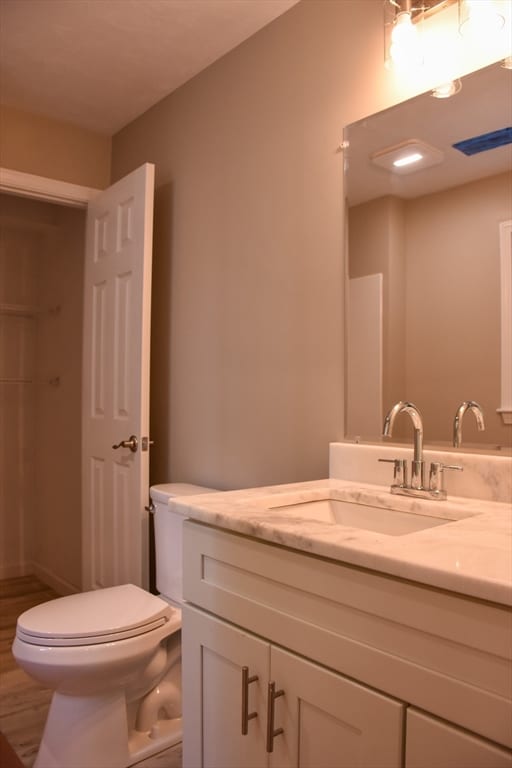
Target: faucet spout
{"x": 475, "y": 408}
{"x": 418, "y": 465}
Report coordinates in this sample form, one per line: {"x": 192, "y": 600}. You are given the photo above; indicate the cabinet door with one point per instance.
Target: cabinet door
{"x": 330, "y": 721}
{"x": 438, "y": 744}
{"x": 214, "y": 654}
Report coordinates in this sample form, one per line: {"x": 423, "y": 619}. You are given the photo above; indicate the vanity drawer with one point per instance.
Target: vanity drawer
{"x": 445, "y": 653}
{"x": 439, "y": 745}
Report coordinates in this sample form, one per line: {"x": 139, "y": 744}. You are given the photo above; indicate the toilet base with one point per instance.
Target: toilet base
{"x": 85, "y": 731}
{"x": 93, "y": 731}
{"x": 164, "y": 734}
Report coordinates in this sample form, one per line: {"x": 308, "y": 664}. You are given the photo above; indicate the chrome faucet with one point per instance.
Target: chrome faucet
{"x": 416, "y": 487}
{"x": 467, "y": 405}
{"x": 418, "y": 465}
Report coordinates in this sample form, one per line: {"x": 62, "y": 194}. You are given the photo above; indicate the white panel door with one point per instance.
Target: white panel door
{"x": 364, "y": 354}
{"x": 117, "y": 304}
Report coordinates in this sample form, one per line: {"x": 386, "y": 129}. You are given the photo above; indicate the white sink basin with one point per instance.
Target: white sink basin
{"x": 392, "y": 522}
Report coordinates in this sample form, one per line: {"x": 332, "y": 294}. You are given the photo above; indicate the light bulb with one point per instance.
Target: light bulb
{"x": 479, "y": 19}
{"x": 405, "y": 48}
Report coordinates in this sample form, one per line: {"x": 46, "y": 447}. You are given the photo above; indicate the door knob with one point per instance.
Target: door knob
{"x": 131, "y": 443}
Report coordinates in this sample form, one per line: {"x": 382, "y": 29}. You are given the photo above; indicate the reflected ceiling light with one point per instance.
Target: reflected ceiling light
{"x": 445, "y": 90}
{"x": 413, "y": 157}
{"x": 407, "y": 157}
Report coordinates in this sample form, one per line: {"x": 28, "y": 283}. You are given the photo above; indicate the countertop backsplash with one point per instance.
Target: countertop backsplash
{"x": 484, "y": 476}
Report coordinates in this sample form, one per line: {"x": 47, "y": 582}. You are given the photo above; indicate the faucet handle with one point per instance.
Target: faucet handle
{"x": 399, "y": 471}
{"x": 437, "y": 469}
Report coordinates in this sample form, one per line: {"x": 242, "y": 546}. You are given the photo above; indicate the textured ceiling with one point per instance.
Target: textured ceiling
{"x": 101, "y": 63}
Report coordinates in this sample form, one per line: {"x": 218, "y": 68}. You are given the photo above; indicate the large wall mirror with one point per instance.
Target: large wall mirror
{"x": 424, "y": 311}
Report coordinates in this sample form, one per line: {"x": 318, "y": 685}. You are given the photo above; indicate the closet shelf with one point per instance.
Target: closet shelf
{"x": 55, "y": 381}
{"x": 22, "y": 310}
{"x": 9, "y": 380}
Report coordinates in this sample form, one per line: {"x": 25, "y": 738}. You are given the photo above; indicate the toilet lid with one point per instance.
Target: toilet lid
{"x": 100, "y": 616}
{"x": 167, "y": 491}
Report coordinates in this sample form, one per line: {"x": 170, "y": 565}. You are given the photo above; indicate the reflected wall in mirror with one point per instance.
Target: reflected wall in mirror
{"x": 424, "y": 321}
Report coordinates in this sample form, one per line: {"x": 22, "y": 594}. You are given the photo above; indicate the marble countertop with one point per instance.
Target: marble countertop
{"x": 471, "y": 555}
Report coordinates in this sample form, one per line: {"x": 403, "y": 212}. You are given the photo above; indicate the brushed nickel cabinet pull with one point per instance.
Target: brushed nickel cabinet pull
{"x": 271, "y": 731}
{"x": 246, "y": 715}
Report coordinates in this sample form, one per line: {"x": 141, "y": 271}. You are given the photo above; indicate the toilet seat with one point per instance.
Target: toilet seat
{"x": 102, "y": 616}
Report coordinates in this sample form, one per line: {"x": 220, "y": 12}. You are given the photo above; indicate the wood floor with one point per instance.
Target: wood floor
{"x": 24, "y": 703}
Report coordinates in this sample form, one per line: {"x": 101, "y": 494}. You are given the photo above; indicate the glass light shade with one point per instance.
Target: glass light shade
{"x": 479, "y": 19}
{"x": 445, "y": 90}
{"x": 405, "y": 44}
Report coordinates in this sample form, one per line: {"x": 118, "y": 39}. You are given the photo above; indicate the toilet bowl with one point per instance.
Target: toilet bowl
{"x": 113, "y": 659}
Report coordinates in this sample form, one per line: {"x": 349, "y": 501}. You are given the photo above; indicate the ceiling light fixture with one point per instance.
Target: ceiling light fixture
{"x": 412, "y": 38}
{"x": 414, "y": 157}
{"x": 407, "y": 157}
{"x": 479, "y": 20}
{"x": 403, "y": 23}
{"x": 402, "y": 34}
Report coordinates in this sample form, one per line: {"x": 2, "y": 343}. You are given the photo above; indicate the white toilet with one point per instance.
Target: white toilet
{"x": 113, "y": 659}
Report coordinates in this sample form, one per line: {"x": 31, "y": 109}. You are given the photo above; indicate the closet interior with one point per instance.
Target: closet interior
{"x": 41, "y": 298}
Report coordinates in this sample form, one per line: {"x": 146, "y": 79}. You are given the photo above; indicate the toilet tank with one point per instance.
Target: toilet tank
{"x": 168, "y": 538}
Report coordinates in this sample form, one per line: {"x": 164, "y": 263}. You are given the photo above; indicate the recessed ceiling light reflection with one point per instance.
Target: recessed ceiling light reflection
{"x": 415, "y": 157}
{"x": 407, "y": 157}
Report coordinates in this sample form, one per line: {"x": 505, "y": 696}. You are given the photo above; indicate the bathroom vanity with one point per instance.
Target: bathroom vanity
{"x": 311, "y": 642}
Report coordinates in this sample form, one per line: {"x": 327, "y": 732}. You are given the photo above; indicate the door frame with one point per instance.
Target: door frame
{"x": 48, "y": 190}
{"x": 42, "y": 188}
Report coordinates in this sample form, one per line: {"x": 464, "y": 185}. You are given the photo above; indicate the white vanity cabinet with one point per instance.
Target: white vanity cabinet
{"x": 319, "y": 718}
{"x": 361, "y": 658}
{"x": 436, "y": 744}
{"x": 214, "y": 654}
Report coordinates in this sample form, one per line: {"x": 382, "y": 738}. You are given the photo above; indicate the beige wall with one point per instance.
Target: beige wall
{"x": 247, "y": 366}
{"x": 453, "y": 305}
{"x": 41, "y": 265}
{"x": 45, "y": 147}
{"x": 449, "y": 310}
{"x": 247, "y": 353}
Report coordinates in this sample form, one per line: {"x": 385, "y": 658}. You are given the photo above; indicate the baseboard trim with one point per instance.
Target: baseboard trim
{"x": 14, "y": 570}
{"x": 8, "y": 757}
{"x": 59, "y": 585}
